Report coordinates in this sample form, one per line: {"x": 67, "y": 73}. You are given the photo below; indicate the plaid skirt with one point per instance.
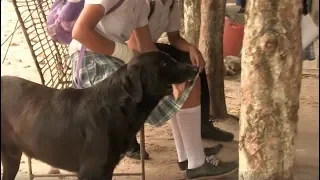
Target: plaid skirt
{"x": 95, "y": 68}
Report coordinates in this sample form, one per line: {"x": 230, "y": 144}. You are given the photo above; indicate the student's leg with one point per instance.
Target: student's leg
{"x": 243, "y": 6}
{"x": 189, "y": 125}
{"x": 208, "y": 130}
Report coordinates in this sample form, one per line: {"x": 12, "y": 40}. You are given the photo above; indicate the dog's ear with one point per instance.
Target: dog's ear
{"x": 131, "y": 83}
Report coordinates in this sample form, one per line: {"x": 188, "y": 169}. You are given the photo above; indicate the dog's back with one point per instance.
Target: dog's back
{"x": 84, "y": 130}
{"x": 56, "y": 126}
{"x": 25, "y": 126}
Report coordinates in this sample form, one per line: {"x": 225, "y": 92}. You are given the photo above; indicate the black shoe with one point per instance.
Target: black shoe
{"x": 209, "y": 131}
{"x": 212, "y": 168}
{"x": 207, "y": 151}
{"x": 242, "y": 10}
{"x": 134, "y": 153}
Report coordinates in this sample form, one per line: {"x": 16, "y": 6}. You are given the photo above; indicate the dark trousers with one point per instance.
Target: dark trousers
{"x": 243, "y": 3}
{"x": 182, "y": 56}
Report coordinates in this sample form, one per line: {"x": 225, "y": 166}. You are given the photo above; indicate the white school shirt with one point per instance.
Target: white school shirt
{"x": 162, "y": 19}
{"x": 118, "y": 25}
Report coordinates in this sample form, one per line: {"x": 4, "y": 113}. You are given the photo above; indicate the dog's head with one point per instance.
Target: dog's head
{"x": 153, "y": 73}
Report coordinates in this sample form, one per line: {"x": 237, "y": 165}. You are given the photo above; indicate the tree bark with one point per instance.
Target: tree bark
{"x": 181, "y": 4}
{"x": 192, "y": 21}
{"x": 211, "y": 38}
{"x": 270, "y": 82}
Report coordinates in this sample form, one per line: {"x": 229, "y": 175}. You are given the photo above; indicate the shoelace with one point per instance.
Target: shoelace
{"x": 212, "y": 160}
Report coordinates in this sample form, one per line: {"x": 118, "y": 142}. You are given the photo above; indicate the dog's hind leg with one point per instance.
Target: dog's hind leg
{"x": 10, "y": 157}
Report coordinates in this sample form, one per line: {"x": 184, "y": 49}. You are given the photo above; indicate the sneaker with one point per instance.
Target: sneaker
{"x": 134, "y": 153}
{"x": 207, "y": 151}
{"x": 212, "y": 168}
{"x": 209, "y": 131}
{"x": 242, "y": 10}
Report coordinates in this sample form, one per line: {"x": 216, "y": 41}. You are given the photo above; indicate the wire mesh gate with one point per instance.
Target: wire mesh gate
{"x": 52, "y": 61}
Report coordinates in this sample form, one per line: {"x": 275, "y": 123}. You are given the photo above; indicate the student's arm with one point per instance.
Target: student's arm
{"x": 140, "y": 38}
{"x": 173, "y": 30}
{"x": 84, "y": 30}
{"x": 177, "y": 41}
{"x": 195, "y": 55}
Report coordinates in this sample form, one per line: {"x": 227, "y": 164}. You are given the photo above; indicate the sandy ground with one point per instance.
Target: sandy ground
{"x": 159, "y": 141}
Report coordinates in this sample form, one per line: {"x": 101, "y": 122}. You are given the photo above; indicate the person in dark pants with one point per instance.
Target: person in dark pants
{"x": 191, "y": 121}
{"x": 208, "y": 130}
{"x": 242, "y": 6}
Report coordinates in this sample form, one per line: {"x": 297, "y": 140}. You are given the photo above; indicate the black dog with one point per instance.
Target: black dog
{"x": 86, "y": 131}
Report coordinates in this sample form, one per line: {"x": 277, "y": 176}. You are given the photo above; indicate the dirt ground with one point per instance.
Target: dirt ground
{"x": 159, "y": 141}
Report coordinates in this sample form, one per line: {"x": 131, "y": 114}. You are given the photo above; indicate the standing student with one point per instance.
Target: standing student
{"x": 208, "y": 130}
{"x": 242, "y": 6}
{"x": 186, "y": 123}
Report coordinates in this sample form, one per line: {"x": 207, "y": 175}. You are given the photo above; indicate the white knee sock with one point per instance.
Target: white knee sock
{"x": 182, "y": 155}
{"x": 189, "y": 121}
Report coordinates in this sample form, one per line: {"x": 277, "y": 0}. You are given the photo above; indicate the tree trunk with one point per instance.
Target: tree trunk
{"x": 270, "y": 82}
{"x": 181, "y": 4}
{"x": 211, "y": 46}
{"x": 192, "y": 21}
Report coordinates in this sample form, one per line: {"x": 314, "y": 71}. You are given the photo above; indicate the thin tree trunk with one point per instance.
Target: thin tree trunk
{"x": 270, "y": 82}
{"x": 181, "y": 4}
{"x": 192, "y": 21}
{"x": 211, "y": 38}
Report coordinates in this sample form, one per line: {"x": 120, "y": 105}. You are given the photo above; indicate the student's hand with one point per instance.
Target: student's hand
{"x": 196, "y": 58}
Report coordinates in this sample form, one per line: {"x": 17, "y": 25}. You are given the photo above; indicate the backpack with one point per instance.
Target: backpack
{"x": 62, "y": 17}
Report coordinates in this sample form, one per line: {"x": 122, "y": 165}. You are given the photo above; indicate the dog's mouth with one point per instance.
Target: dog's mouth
{"x": 170, "y": 89}
{"x": 178, "y": 89}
